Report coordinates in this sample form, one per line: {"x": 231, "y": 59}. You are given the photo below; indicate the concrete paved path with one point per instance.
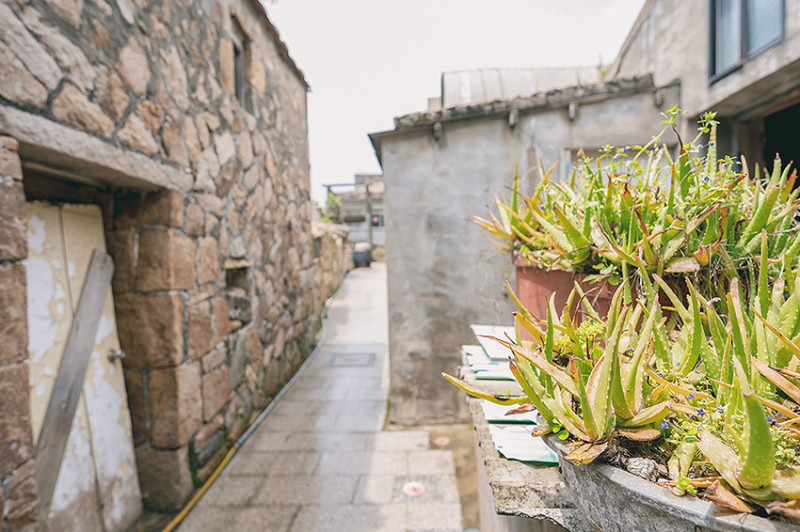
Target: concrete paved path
{"x": 320, "y": 461}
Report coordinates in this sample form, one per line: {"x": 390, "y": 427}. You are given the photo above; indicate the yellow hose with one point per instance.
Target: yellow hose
{"x": 188, "y": 508}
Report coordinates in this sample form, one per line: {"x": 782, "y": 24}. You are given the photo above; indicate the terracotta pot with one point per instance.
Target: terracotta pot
{"x": 535, "y": 286}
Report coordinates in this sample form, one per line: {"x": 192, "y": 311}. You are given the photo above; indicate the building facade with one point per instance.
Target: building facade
{"x": 172, "y": 135}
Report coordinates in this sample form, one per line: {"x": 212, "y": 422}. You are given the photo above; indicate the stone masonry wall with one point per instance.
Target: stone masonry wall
{"x": 215, "y": 279}
{"x": 18, "y": 497}
{"x": 329, "y": 243}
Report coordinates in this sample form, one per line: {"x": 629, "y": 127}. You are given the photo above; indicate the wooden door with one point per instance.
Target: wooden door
{"x": 97, "y": 486}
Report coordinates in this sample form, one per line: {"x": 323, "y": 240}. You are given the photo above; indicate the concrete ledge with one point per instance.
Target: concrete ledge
{"x": 514, "y": 496}
{"x": 45, "y": 145}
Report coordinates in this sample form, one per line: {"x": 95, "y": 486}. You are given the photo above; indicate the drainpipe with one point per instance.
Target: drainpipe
{"x": 369, "y": 218}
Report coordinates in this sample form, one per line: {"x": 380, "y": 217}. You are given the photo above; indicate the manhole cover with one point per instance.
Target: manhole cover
{"x": 352, "y": 359}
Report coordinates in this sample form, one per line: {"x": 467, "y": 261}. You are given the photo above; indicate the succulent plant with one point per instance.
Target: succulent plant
{"x": 638, "y": 208}
{"x": 721, "y": 388}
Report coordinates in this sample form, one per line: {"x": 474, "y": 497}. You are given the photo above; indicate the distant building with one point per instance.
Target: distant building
{"x": 443, "y": 165}
{"x": 362, "y": 209}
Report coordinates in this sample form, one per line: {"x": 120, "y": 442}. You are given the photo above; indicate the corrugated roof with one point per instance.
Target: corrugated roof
{"x": 467, "y": 87}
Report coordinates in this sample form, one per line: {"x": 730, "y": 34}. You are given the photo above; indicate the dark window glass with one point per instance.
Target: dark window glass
{"x": 728, "y": 34}
{"x": 764, "y": 23}
{"x": 238, "y": 73}
{"x": 742, "y": 29}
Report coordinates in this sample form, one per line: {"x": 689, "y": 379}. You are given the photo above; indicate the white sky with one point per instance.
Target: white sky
{"x": 368, "y": 61}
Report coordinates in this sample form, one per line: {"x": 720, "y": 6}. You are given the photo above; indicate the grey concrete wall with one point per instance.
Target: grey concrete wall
{"x": 442, "y": 273}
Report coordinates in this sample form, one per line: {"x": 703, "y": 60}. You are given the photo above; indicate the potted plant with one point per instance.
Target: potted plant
{"x": 638, "y": 209}
{"x": 708, "y": 399}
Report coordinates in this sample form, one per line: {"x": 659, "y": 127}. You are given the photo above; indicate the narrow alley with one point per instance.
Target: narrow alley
{"x": 321, "y": 459}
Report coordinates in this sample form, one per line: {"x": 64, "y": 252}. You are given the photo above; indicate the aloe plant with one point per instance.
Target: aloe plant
{"x": 639, "y": 208}
{"x": 723, "y": 389}
{"x": 587, "y": 380}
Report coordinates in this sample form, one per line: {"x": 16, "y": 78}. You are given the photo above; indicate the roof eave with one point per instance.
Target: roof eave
{"x": 283, "y": 50}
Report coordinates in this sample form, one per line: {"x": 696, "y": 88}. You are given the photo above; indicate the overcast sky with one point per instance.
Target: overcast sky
{"x": 368, "y": 61}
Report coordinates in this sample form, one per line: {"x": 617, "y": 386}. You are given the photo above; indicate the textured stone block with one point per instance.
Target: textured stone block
{"x": 174, "y": 76}
{"x": 215, "y": 392}
{"x": 156, "y": 209}
{"x": 134, "y": 386}
{"x": 226, "y": 64}
{"x": 19, "y": 85}
{"x": 174, "y": 402}
{"x": 222, "y": 324}
{"x": 213, "y": 359}
{"x": 16, "y": 439}
{"x": 136, "y": 135}
{"x": 165, "y": 478}
{"x": 13, "y": 314}
{"x": 10, "y": 165}
{"x": 200, "y": 330}
{"x": 133, "y": 66}
{"x": 166, "y": 261}
{"x": 72, "y": 106}
{"x": 13, "y": 227}
{"x": 120, "y": 247}
{"x": 150, "y": 330}
{"x": 207, "y": 259}
{"x": 255, "y": 352}
{"x": 194, "y": 220}
{"x": 22, "y": 503}
{"x": 111, "y": 95}
{"x": 174, "y": 148}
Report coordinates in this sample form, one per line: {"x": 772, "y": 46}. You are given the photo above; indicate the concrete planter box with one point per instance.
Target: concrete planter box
{"x": 609, "y": 498}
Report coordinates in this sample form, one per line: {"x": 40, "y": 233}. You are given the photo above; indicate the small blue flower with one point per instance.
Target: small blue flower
{"x": 541, "y": 207}
{"x": 705, "y": 178}
{"x": 677, "y": 364}
{"x": 700, "y": 412}
{"x": 690, "y": 396}
{"x": 659, "y": 374}
{"x": 664, "y": 425}
{"x": 711, "y": 143}
{"x": 770, "y": 419}
{"x": 700, "y": 146}
{"x": 720, "y": 410}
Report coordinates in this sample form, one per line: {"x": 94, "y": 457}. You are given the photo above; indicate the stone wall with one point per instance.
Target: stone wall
{"x": 329, "y": 244}
{"x": 132, "y": 105}
{"x": 18, "y": 494}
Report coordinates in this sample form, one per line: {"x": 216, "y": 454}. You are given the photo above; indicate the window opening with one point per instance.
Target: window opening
{"x": 241, "y": 45}
{"x": 741, "y": 30}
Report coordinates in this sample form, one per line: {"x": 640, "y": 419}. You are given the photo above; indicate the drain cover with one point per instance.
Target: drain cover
{"x": 352, "y": 359}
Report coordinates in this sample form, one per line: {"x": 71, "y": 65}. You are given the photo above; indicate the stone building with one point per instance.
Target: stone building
{"x": 174, "y": 135}
{"x": 443, "y": 165}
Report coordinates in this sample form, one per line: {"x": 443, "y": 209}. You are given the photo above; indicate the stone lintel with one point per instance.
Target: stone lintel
{"x": 68, "y": 153}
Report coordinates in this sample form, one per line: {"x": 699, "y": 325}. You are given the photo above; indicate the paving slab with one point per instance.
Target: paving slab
{"x": 321, "y": 460}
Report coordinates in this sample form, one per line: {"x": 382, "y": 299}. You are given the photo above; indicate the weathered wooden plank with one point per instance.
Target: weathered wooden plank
{"x": 70, "y": 377}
